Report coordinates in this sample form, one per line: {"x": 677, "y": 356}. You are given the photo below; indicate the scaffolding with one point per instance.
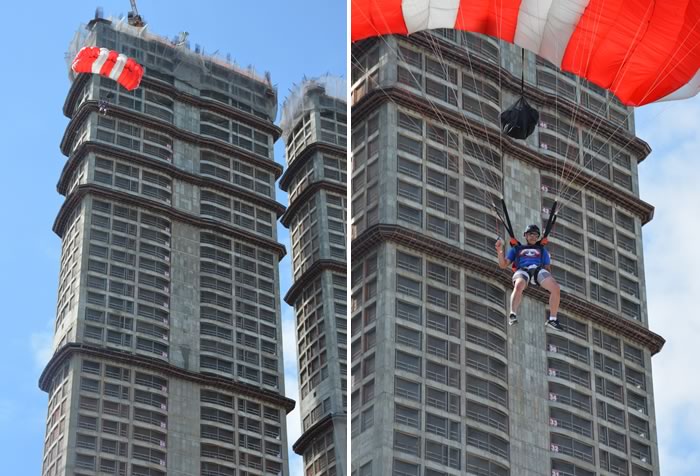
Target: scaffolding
{"x": 295, "y": 104}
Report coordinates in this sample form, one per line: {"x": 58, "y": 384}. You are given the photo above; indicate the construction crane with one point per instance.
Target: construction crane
{"x": 133, "y": 17}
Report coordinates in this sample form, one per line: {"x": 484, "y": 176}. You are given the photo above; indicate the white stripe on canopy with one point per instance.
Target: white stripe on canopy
{"x": 429, "y": 14}
{"x": 690, "y": 89}
{"x": 546, "y": 26}
{"x": 100, "y": 61}
{"x": 118, "y": 67}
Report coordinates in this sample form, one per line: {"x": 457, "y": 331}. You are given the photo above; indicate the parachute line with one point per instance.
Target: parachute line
{"x": 442, "y": 119}
{"x": 436, "y": 49}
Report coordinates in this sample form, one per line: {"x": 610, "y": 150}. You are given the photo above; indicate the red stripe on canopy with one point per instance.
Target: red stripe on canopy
{"x": 84, "y": 59}
{"x": 376, "y": 17}
{"x": 109, "y": 64}
{"x": 131, "y": 75}
{"x": 604, "y": 38}
{"x": 497, "y": 18}
{"x": 641, "y": 50}
{"x": 667, "y": 57}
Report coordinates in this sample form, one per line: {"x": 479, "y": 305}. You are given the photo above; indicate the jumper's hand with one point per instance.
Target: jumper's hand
{"x": 499, "y": 245}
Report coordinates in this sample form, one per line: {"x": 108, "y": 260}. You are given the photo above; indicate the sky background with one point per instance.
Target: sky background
{"x": 277, "y": 36}
{"x": 291, "y": 40}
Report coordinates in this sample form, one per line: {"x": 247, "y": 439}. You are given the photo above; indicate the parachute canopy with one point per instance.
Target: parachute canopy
{"x": 642, "y": 50}
{"x": 111, "y": 64}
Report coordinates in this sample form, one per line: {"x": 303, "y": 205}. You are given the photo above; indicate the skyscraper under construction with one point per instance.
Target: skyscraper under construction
{"x": 168, "y": 356}
{"x": 314, "y": 121}
{"x": 440, "y": 384}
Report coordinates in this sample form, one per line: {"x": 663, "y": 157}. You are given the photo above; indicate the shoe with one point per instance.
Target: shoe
{"x": 554, "y": 324}
{"x": 512, "y": 319}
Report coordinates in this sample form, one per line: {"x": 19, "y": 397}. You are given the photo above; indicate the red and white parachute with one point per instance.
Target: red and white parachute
{"x": 111, "y": 64}
{"x": 642, "y": 50}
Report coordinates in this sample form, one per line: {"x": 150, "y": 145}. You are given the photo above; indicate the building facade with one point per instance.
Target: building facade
{"x": 314, "y": 121}
{"x": 168, "y": 355}
{"x": 440, "y": 384}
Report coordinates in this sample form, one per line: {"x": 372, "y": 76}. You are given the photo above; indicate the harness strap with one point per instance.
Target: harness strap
{"x": 533, "y": 274}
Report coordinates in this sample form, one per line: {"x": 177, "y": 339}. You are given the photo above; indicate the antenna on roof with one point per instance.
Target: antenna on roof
{"x": 133, "y": 17}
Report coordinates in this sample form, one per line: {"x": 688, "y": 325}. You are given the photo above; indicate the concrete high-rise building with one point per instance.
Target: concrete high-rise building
{"x": 168, "y": 355}
{"x": 440, "y": 384}
{"x": 314, "y": 121}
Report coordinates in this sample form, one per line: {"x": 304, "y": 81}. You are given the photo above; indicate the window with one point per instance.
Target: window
{"x": 408, "y": 286}
{"x": 408, "y": 214}
{"x": 408, "y": 337}
{"x": 407, "y": 389}
{"x": 407, "y": 416}
{"x": 487, "y": 441}
{"x": 409, "y": 262}
{"x": 408, "y": 312}
{"x": 561, "y": 418}
{"x": 406, "y": 443}
{"x": 409, "y": 363}
{"x": 402, "y": 468}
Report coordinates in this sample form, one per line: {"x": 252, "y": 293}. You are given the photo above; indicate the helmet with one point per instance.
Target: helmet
{"x": 532, "y": 228}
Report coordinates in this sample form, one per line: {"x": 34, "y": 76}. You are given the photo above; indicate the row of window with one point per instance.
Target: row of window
{"x": 128, "y": 279}
{"x": 590, "y": 96}
{"x": 241, "y": 214}
{"x": 116, "y": 402}
{"x": 133, "y": 179}
{"x": 236, "y": 133}
{"x": 135, "y": 138}
{"x": 312, "y": 337}
{"x": 320, "y": 457}
{"x": 447, "y": 455}
{"x": 613, "y": 266}
{"x": 236, "y": 172}
{"x": 304, "y": 234}
{"x": 141, "y": 99}
{"x": 250, "y": 357}
{"x": 59, "y": 393}
{"x": 324, "y": 124}
{"x": 70, "y": 267}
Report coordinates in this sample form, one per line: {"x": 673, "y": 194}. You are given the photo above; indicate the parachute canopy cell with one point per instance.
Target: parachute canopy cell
{"x": 111, "y": 64}
{"x": 642, "y": 50}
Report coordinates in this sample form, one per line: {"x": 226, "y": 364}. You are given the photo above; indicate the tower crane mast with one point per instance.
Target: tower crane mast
{"x": 133, "y": 17}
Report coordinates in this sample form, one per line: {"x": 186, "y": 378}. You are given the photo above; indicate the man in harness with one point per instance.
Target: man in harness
{"x": 531, "y": 264}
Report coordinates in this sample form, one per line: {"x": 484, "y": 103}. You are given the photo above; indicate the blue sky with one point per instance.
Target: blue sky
{"x": 668, "y": 180}
{"x": 289, "y": 39}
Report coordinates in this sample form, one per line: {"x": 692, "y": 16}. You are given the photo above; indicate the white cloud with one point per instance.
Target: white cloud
{"x": 668, "y": 181}
{"x": 666, "y": 122}
{"x": 41, "y": 343}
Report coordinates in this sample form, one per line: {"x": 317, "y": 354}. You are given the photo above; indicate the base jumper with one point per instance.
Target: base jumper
{"x": 531, "y": 264}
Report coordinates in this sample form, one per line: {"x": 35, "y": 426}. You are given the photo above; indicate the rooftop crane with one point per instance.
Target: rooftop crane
{"x": 133, "y": 17}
